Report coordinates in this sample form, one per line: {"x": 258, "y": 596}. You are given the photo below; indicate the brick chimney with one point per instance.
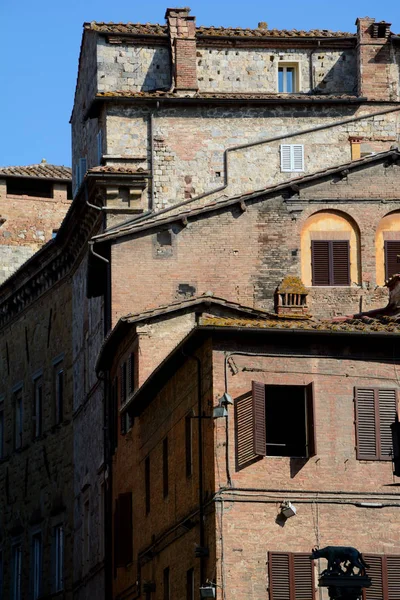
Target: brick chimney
{"x": 291, "y": 298}
{"x": 374, "y": 60}
{"x": 182, "y": 35}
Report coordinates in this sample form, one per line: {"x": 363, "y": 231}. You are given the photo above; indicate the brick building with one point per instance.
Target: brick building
{"x": 208, "y": 162}
{"x": 33, "y": 202}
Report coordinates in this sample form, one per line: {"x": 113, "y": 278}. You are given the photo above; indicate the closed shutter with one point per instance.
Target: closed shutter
{"x": 320, "y": 262}
{"x": 375, "y": 592}
{"x": 125, "y": 530}
{"x": 279, "y": 576}
{"x": 366, "y": 424}
{"x": 387, "y": 416}
{"x": 311, "y": 434}
{"x": 340, "y": 262}
{"x": 286, "y": 162}
{"x": 393, "y": 577}
{"x": 259, "y": 439}
{"x": 291, "y": 576}
{"x": 298, "y": 157}
{"x": 392, "y": 265}
{"x": 303, "y": 576}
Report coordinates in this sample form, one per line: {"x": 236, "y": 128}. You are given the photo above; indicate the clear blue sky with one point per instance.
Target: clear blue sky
{"x": 39, "y": 49}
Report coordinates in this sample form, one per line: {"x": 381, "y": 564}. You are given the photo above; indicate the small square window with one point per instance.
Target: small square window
{"x": 287, "y": 78}
{"x": 292, "y": 158}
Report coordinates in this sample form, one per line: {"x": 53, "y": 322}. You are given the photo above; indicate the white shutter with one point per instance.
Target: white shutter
{"x": 298, "y": 157}
{"x": 286, "y": 162}
{"x": 99, "y": 147}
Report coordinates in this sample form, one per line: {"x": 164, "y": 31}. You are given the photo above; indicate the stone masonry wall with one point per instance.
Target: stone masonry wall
{"x": 243, "y": 256}
{"x": 190, "y": 142}
{"x": 256, "y": 70}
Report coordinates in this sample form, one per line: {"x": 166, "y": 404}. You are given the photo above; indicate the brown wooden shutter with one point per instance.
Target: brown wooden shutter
{"x": 303, "y": 577}
{"x": 320, "y": 262}
{"x": 259, "y": 439}
{"x": 375, "y": 572}
{"x": 165, "y": 467}
{"x": 387, "y": 415}
{"x": 279, "y": 575}
{"x": 366, "y": 424}
{"x": 244, "y": 431}
{"x": 392, "y": 250}
{"x": 125, "y": 530}
{"x": 340, "y": 261}
{"x": 393, "y": 577}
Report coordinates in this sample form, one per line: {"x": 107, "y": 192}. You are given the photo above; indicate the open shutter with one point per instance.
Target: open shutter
{"x": 392, "y": 265}
{"x": 298, "y": 157}
{"x": 366, "y": 438}
{"x": 393, "y": 577}
{"x": 259, "y": 434}
{"x": 396, "y": 446}
{"x": 279, "y": 575}
{"x": 311, "y": 433}
{"x": 303, "y": 576}
{"x": 244, "y": 431}
{"x": 286, "y": 162}
{"x": 320, "y": 262}
{"x": 387, "y": 415}
{"x": 375, "y": 572}
{"x": 340, "y": 262}
{"x": 125, "y": 546}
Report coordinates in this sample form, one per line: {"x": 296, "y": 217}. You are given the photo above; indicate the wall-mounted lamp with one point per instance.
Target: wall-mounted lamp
{"x": 207, "y": 591}
{"x": 220, "y": 410}
{"x": 288, "y": 509}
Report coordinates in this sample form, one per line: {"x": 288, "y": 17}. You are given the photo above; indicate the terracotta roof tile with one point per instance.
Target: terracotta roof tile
{"x": 228, "y": 96}
{"x": 154, "y": 29}
{"x": 129, "y": 170}
{"x": 42, "y": 170}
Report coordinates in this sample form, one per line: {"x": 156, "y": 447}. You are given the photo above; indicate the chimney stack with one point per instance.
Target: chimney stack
{"x": 182, "y": 34}
{"x": 374, "y": 60}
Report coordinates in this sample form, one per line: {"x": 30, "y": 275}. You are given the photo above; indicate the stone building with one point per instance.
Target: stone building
{"x": 33, "y": 202}
{"x": 207, "y": 162}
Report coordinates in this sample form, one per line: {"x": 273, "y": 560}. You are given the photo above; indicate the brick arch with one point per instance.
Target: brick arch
{"x": 330, "y": 225}
{"x": 388, "y": 230}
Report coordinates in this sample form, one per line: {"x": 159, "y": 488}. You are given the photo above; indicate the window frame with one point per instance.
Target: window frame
{"x": 331, "y": 265}
{"x": 292, "y": 159}
{"x": 285, "y": 65}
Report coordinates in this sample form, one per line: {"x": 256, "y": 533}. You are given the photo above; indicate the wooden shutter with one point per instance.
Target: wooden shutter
{"x": 165, "y": 467}
{"x": 297, "y": 157}
{"x": 340, "y": 260}
{"x": 244, "y": 431}
{"x": 259, "y": 433}
{"x": 303, "y": 577}
{"x": 387, "y": 399}
{"x": 279, "y": 575}
{"x": 125, "y": 530}
{"x": 366, "y": 424}
{"x": 311, "y": 433}
{"x": 375, "y": 572}
{"x": 392, "y": 265}
{"x": 286, "y": 162}
{"x": 320, "y": 262}
{"x": 393, "y": 577}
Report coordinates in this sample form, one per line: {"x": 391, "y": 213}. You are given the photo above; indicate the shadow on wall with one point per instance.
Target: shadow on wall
{"x": 340, "y": 79}
{"x": 158, "y": 76}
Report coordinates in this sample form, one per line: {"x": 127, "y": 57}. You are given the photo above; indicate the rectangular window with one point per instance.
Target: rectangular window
{"x": 392, "y": 258}
{"x": 330, "y": 262}
{"x": 59, "y": 393}
{"x": 18, "y": 419}
{"x": 166, "y": 584}
{"x": 283, "y": 420}
{"x": 16, "y": 571}
{"x": 37, "y": 565}
{"x": 188, "y": 445}
{"x": 384, "y": 572}
{"x": 2, "y": 445}
{"x": 291, "y": 576}
{"x": 165, "y": 467}
{"x": 147, "y": 483}
{"x": 287, "y": 78}
{"x": 376, "y": 410}
{"x": 190, "y": 584}
{"x": 37, "y": 406}
{"x": 59, "y": 558}
{"x": 123, "y": 530}
{"x": 292, "y": 158}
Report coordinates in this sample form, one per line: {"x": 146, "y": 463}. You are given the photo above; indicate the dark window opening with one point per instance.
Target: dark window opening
{"x": 40, "y": 188}
{"x": 166, "y": 594}
{"x": 164, "y": 238}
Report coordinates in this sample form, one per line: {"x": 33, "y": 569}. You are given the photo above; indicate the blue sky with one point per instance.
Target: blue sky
{"x": 39, "y": 49}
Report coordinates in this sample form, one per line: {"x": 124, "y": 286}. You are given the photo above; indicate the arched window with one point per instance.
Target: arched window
{"x": 330, "y": 250}
{"x": 387, "y": 246}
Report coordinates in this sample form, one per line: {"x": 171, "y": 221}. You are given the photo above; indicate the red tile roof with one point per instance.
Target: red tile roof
{"x": 230, "y": 96}
{"x": 42, "y": 170}
{"x": 162, "y": 30}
